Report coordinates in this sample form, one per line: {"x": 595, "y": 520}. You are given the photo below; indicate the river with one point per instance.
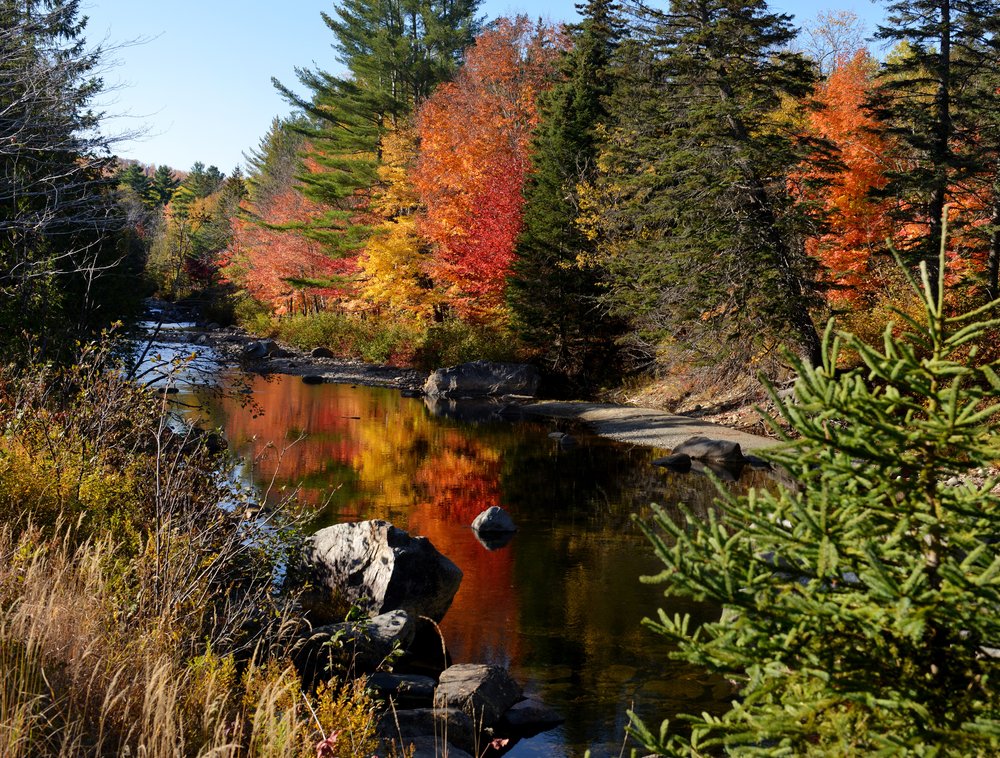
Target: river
{"x": 561, "y": 605}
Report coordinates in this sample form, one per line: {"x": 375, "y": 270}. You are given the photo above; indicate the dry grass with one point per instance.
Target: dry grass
{"x": 137, "y": 616}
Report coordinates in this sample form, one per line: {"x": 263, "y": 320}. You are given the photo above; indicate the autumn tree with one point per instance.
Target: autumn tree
{"x": 697, "y": 224}
{"x": 272, "y": 259}
{"x": 929, "y": 99}
{"x": 394, "y": 53}
{"x": 395, "y": 264}
{"x": 554, "y": 287}
{"x": 851, "y": 193}
{"x": 475, "y": 135}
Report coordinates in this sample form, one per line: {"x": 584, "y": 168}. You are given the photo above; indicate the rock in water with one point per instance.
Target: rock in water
{"x": 531, "y": 717}
{"x": 376, "y": 565}
{"x": 705, "y": 449}
{"x": 366, "y": 644}
{"x": 481, "y": 379}
{"x": 484, "y": 693}
{"x": 494, "y": 520}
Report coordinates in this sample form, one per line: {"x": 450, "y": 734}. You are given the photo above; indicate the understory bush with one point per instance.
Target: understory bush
{"x": 138, "y": 614}
{"x": 424, "y": 345}
{"x": 861, "y": 607}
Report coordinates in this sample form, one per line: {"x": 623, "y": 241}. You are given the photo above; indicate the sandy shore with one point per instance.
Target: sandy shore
{"x": 644, "y": 426}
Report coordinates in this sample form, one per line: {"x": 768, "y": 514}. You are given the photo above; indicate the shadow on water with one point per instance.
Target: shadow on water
{"x": 561, "y": 604}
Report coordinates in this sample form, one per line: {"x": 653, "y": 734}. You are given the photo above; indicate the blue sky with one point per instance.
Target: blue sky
{"x": 195, "y": 75}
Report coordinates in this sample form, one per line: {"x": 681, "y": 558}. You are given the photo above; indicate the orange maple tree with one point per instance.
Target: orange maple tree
{"x": 475, "y": 135}
{"x": 275, "y": 261}
{"x": 857, "y": 222}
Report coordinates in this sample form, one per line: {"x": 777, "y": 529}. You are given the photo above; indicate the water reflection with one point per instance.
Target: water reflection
{"x": 561, "y": 604}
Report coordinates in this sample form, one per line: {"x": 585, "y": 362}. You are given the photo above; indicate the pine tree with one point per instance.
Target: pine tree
{"x": 134, "y": 177}
{"x": 932, "y": 100}
{"x": 395, "y": 52}
{"x": 861, "y": 605}
{"x": 702, "y": 239}
{"x": 553, "y": 290}
{"x": 163, "y": 185}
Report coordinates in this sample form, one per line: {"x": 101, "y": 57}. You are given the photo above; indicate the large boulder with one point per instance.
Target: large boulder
{"x": 481, "y": 379}
{"x": 705, "y": 449}
{"x": 482, "y": 692}
{"x": 382, "y": 568}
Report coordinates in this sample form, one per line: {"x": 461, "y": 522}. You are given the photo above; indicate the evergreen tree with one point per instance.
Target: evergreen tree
{"x": 395, "y": 51}
{"x": 697, "y": 226}
{"x": 860, "y": 607}
{"x": 59, "y": 264}
{"x": 554, "y": 287}
{"x": 274, "y": 164}
{"x": 933, "y": 100}
{"x": 134, "y": 177}
{"x": 163, "y": 185}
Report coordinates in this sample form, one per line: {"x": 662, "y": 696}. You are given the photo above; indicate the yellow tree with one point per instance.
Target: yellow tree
{"x": 394, "y": 262}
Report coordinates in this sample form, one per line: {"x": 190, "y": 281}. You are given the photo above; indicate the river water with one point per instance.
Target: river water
{"x": 561, "y": 605}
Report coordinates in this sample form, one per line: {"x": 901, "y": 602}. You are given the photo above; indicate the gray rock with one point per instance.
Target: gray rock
{"x": 382, "y": 568}
{"x": 259, "y": 349}
{"x": 322, "y": 352}
{"x": 494, "y": 520}
{"x": 363, "y": 645}
{"x": 406, "y": 690}
{"x": 705, "y": 449}
{"x": 213, "y": 327}
{"x": 313, "y": 379}
{"x": 676, "y": 462}
{"x": 531, "y": 716}
{"x": 482, "y": 378}
{"x": 444, "y": 724}
{"x": 482, "y": 692}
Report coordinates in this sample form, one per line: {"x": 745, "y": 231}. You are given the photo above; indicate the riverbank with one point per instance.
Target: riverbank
{"x": 649, "y": 427}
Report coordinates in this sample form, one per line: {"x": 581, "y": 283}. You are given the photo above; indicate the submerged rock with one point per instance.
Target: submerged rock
{"x": 531, "y": 717}
{"x": 382, "y": 568}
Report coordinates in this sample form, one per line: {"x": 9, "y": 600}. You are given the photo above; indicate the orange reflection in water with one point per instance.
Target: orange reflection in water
{"x": 373, "y": 454}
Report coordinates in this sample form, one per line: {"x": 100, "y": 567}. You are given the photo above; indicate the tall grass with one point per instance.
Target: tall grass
{"x": 137, "y": 616}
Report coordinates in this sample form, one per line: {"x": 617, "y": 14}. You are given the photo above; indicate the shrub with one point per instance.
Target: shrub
{"x": 861, "y": 606}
